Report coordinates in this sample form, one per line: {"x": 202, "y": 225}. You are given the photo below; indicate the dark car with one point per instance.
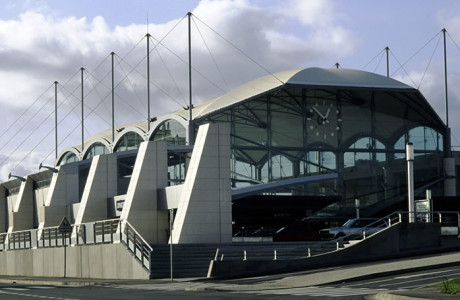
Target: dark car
{"x": 306, "y": 229}
{"x": 354, "y": 227}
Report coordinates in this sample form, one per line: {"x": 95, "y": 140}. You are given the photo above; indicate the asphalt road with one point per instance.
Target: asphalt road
{"x": 403, "y": 283}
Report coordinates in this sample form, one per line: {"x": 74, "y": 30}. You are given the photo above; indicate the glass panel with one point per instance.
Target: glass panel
{"x": 172, "y": 132}
{"x": 129, "y": 141}
{"x": 96, "y": 149}
{"x": 69, "y": 157}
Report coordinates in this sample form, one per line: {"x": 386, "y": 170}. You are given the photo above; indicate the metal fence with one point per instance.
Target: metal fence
{"x": 99, "y": 232}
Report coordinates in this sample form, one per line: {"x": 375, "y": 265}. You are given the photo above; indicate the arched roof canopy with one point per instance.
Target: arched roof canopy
{"x": 171, "y": 128}
{"x": 97, "y": 147}
{"x": 351, "y": 81}
{"x": 69, "y": 155}
{"x": 129, "y": 138}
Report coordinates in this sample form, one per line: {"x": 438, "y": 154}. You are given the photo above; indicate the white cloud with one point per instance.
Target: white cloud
{"x": 42, "y": 46}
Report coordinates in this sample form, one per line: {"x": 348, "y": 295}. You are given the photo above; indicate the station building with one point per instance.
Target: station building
{"x": 323, "y": 137}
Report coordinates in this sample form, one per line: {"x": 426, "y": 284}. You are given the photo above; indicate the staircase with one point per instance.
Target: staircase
{"x": 192, "y": 260}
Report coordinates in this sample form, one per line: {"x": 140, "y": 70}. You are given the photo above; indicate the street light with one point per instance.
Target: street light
{"x": 15, "y": 176}
{"x": 46, "y": 167}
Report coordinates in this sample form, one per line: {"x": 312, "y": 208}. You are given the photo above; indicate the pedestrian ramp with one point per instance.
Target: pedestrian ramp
{"x": 193, "y": 260}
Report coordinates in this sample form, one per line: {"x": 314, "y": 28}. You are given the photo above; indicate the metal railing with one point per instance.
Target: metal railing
{"x": 16, "y": 240}
{"x": 449, "y": 219}
{"x": 104, "y": 232}
{"x": 99, "y": 232}
{"x": 136, "y": 244}
{"x": 51, "y": 237}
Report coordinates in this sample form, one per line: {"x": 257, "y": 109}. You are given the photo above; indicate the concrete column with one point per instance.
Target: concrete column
{"x": 3, "y": 210}
{"x": 21, "y": 216}
{"x": 140, "y": 208}
{"x": 204, "y": 213}
{"x": 100, "y": 185}
{"x": 449, "y": 183}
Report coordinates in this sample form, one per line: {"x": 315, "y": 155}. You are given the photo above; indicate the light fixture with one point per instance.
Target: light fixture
{"x": 46, "y": 167}
{"x": 15, "y": 176}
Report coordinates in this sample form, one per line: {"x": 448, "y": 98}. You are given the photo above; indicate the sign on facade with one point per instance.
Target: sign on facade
{"x": 423, "y": 208}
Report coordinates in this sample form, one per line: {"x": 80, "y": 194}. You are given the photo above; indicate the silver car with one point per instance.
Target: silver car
{"x": 354, "y": 228}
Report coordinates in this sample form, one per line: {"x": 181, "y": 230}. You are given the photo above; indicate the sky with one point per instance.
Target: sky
{"x": 43, "y": 41}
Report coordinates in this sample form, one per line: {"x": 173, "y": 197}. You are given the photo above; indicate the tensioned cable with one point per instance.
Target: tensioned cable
{"x": 25, "y": 124}
{"x": 33, "y": 132}
{"x": 418, "y": 51}
{"x": 380, "y": 53}
{"x": 172, "y": 78}
{"x": 239, "y": 50}
{"x": 429, "y": 62}
{"x": 133, "y": 69}
{"x": 378, "y": 63}
{"x": 136, "y": 92}
{"x": 101, "y": 99}
{"x": 402, "y": 67}
{"x": 453, "y": 41}
{"x": 212, "y": 56}
{"x": 194, "y": 69}
{"x": 25, "y": 140}
{"x": 30, "y": 106}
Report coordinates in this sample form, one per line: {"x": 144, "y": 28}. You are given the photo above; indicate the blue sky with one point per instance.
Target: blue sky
{"x": 46, "y": 40}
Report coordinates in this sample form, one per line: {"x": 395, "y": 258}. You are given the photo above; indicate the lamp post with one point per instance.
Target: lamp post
{"x": 171, "y": 222}
{"x": 410, "y": 181}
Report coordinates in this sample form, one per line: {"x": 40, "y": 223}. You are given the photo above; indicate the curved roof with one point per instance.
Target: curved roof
{"x": 310, "y": 76}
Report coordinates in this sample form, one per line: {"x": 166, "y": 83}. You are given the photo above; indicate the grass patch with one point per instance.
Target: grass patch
{"x": 451, "y": 287}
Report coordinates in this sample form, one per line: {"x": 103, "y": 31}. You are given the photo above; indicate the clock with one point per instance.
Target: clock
{"x": 323, "y": 120}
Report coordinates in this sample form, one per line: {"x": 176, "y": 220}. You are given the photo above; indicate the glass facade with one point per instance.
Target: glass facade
{"x": 96, "y": 149}
{"x": 359, "y": 133}
{"x": 173, "y": 133}
{"x": 69, "y": 157}
{"x": 129, "y": 141}
{"x": 170, "y": 131}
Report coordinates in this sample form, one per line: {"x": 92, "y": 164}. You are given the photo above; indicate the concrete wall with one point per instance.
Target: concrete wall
{"x": 21, "y": 217}
{"x": 204, "y": 213}
{"x": 140, "y": 206}
{"x": 100, "y": 185}
{"x": 108, "y": 261}
{"x": 400, "y": 240}
{"x": 3, "y": 210}
{"x": 56, "y": 200}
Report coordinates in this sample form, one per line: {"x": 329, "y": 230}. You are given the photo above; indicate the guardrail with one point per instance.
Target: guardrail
{"x": 450, "y": 220}
{"x": 99, "y": 232}
{"x": 136, "y": 244}
{"x": 16, "y": 240}
{"x": 51, "y": 237}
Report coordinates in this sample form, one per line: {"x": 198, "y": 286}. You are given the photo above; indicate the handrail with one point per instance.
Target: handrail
{"x": 104, "y": 231}
{"x": 393, "y": 219}
{"x": 134, "y": 242}
{"x": 137, "y": 233}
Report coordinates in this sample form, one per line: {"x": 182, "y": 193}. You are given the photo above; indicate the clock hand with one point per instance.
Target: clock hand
{"x": 317, "y": 111}
{"x": 327, "y": 112}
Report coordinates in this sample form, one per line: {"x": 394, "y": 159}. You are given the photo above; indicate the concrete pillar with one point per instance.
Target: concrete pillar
{"x": 140, "y": 208}
{"x": 101, "y": 184}
{"x": 21, "y": 216}
{"x": 204, "y": 213}
{"x": 3, "y": 210}
{"x": 449, "y": 183}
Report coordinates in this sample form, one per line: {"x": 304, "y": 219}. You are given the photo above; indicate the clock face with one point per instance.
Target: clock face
{"x": 323, "y": 120}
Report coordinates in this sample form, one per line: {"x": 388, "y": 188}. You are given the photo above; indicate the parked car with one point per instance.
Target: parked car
{"x": 354, "y": 228}
{"x": 306, "y": 229}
